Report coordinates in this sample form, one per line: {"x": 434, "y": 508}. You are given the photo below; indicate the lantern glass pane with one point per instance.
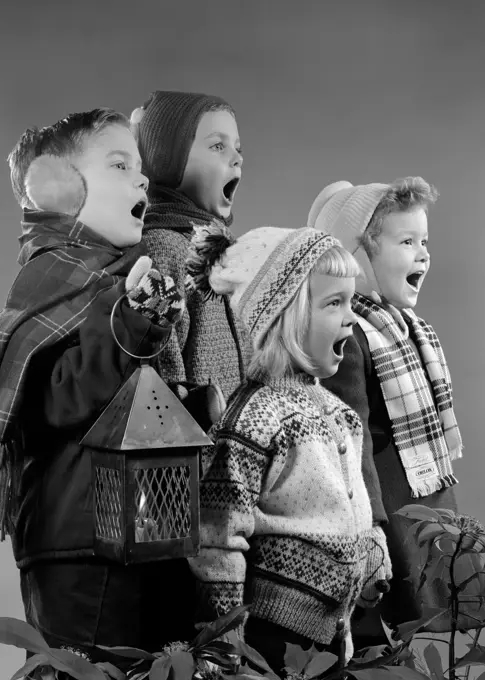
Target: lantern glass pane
{"x": 108, "y": 509}
{"x": 162, "y": 499}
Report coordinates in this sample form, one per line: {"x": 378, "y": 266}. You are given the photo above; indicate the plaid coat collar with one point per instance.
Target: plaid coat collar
{"x": 65, "y": 266}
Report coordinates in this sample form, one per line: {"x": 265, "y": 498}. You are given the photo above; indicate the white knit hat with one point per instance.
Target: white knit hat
{"x": 261, "y": 271}
{"x": 345, "y": 211}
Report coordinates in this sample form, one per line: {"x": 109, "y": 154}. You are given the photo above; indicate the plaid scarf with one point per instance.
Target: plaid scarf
{"x": 65, "y": 266}
{"x": 418, "y": 396}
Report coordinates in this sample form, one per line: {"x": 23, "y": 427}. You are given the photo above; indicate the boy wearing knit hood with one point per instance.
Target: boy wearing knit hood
{"x": 394, "y": 373}
{"x": 191, "y": 153}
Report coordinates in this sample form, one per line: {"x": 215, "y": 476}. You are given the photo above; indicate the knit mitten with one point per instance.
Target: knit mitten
{"x": 378, "y": 571}
{"x": 153, "y": 295}
{"x": 205, "y": 403}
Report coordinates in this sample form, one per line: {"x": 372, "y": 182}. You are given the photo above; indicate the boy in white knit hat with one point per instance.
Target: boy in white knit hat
{"x": 286, "y": 521}
{"x": 394, "y": 373}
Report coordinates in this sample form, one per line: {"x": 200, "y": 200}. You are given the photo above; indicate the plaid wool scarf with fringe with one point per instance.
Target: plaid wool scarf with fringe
{"x": 418, "y": 394}
{"x": 65, "y": 267}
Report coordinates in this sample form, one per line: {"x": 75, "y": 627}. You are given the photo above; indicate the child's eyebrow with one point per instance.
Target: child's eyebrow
{"x": 126, "y": 155}
{"x": 330, "y": 296}
{"x": 222, "y": 135}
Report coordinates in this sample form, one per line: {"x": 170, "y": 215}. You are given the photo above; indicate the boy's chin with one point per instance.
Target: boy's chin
{"x": 222, "y": 212}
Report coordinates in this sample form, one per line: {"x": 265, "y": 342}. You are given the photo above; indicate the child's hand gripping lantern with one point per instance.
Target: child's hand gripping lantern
{"x": 145, "y": 448}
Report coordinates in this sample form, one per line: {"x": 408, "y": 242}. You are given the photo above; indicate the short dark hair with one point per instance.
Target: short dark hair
{"x": 64, "y": 138}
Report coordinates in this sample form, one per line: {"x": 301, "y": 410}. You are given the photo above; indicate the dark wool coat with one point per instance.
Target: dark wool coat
{"x": 357, "y": 384}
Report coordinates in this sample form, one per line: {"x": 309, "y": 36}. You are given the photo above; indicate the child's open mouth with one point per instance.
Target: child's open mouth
{"x": 413, "y": 279}
{"x": 338, "y": 348}
{"x": 229, "y": 189}
{"x": 139, "y": 209}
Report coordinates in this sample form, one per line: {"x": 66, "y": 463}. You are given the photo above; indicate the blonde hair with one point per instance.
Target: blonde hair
{"x": 403, "y": 195}
{"x": 280, "y": 352}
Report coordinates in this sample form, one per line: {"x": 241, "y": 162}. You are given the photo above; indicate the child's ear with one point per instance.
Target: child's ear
{"x": 52, "y": 183}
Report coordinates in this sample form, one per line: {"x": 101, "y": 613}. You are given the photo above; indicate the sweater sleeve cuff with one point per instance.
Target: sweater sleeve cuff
{"x": 217, "y": 599}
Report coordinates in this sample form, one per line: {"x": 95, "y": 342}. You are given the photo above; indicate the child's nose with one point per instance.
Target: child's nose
{"x": 142, "y": 182}
{"x": 351, "y": 319}
{"x": 423, "y": 255}
{"x": 237, "y": 159}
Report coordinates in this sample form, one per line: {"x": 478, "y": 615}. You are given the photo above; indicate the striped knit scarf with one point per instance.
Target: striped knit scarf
{"x": 65, "y": 266}
{"x": 420, "y": 406}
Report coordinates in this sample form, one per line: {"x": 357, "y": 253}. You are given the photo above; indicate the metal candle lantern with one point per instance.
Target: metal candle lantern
{"x": 145, "y": 471}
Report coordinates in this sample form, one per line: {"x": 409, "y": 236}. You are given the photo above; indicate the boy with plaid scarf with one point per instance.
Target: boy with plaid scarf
{"x": 84, "y": 197}
{"x": 394, "y": 373}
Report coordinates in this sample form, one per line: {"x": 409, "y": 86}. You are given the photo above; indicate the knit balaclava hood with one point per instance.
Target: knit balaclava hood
{"x": 345, "y": 211}
{"x": 166, "y": 128}
{"x": 261, "y": 271}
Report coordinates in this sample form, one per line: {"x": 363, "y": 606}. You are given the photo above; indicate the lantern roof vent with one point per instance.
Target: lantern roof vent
{"x": 145, "y": 414}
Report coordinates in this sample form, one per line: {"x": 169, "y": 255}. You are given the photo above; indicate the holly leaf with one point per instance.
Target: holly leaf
{"x": 375, "y": 652}
{"x": 222, "y": 661}
{"x": 451, "y": 529}
{"x": 406, "y": 630}
{"x": 372, "y": 674}
{"x": 21, "y": 634}
{"x": 221, "y": 647}
{"x": 245, "y": 673}
{"x": 317, "y": 665}
{"x": 111, "y": 671}
{"x": 389, "y": 673}
{"x": 220, "y": 626}
{"x": 475, "y": 657}
{"x": 129, "y": 652}
{"x": 183, "y": 665}
{"x": 75, "y": 666}
{"x": 433, "y": 661}
{"x": 296, "y": 658}
{"x": 461, "y": 586}
{"x": 380, "y": 662}
{"x": 421, "y": 512}
{"x": 254, "y": 656}
{"x": 160, "y": 668}
{"x": 434, "y": 570}
{"x": 30, "y": 665}
{"x": 428, "y": 533}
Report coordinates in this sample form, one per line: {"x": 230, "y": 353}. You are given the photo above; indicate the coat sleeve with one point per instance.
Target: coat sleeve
{"x": 168, "y": 250}
{"x": 350, "y": 385}
{"x": 74, "y": 387}
{"x": 229, "y": 493}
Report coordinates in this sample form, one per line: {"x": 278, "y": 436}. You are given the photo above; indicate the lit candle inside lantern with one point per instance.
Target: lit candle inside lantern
{"x": 145, "y": 527}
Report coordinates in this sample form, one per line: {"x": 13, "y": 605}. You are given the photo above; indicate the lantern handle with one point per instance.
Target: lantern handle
{"x": 133, "y": 356}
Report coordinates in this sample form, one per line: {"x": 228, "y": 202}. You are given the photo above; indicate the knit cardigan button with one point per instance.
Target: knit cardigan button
{"x": 351, "y": 493}
{"x": 342, "y": 448}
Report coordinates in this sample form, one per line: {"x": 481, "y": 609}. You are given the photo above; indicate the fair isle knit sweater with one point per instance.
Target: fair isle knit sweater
{"x": 209, "y": 343}
{"x": 285, "y": 514}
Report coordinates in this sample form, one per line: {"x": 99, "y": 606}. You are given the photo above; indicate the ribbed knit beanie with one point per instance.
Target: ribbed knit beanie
{"x": 345, "y": 211}
{"x": 166, "y": 132}
{"x": 261, "y": 271}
